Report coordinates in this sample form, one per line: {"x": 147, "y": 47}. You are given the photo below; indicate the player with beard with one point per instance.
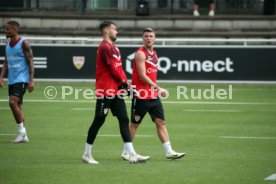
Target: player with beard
{"x": 110, "y": 77}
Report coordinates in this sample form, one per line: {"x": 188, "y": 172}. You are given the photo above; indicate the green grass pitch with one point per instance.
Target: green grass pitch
{"x": 227, "y": 141}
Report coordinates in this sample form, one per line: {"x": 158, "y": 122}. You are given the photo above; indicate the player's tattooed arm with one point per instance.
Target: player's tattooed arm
{"x": 29, "y": 57}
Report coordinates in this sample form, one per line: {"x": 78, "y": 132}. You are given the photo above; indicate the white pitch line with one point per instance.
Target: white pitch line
{"x": 180, "y": 82}
{"x": 205, "y": 110}
{"x": 118, "y": 135}
{"x": 144, "y": 135}
{"x": 163, "y": 101}
{"x": 7, "y": 134}
{"x": 54, "y": 101}
{"x": 218, "y": 103}
{"x": 242, "y": 137}
{"x": 4, "y": 108}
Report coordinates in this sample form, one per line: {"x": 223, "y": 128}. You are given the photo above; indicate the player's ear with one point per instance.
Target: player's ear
{"x": 106, "y": 30}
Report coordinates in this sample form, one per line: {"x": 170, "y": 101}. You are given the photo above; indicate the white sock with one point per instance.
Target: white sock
{"x": 88, "y": 149}
{"x": 21, "y": 128}
{"x": 167, "y": 147}
{"x": 128, "y": 147}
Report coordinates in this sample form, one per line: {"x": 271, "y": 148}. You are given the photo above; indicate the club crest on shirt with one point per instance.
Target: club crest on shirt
{"x": 78, "y": 61}
{"x": 137, "y": 118}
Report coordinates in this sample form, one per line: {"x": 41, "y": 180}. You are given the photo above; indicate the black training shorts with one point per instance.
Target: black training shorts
{"x": 140, "y": 107}
{"x": 18, "y": 90}
{"x": 115, "y": 104}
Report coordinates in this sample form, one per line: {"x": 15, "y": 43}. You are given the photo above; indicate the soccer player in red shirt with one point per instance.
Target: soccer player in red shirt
{"x": 110, "y": 77}
{"x": 144, "y": 78}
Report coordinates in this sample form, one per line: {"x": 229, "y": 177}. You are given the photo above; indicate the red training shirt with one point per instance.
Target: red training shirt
{"x": 109, "y": 71}
{"x": 146, "y": 91}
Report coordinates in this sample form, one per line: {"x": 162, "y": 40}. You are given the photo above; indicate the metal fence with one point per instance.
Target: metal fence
{"x": 171, "y": 6}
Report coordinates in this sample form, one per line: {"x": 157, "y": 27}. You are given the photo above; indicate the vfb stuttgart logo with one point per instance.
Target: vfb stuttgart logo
{"x": 78, "y": 61}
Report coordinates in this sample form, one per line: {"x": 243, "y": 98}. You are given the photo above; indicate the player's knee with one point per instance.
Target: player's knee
{"x": 134, "y": 125}
{"x": 160, "y": 122}
{"x": 13, "y": 101}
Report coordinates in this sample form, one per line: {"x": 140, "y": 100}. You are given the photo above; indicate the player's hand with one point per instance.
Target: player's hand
{"x": 129, "y": 89}
{"x": 1, "y": 82}
{"x": 124, "y": 86}
{"x": 30, "y": 87}
{"x": 162, "y": 92}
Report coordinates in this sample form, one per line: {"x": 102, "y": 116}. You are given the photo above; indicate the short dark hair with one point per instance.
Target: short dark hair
{"x": 105, "y": 24}
{"x": 13, "y": 23}
{"x": 148, "y": 29}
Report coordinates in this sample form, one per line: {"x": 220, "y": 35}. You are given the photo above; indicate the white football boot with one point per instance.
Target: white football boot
{"x": 87, "y": 158}
{"x": 211, "y": 13}
{"x": 134, "y": 158}
{"x": 21, "y": 138}
{"x": 174, "y": 155}
{"x": 196, "y": 13}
